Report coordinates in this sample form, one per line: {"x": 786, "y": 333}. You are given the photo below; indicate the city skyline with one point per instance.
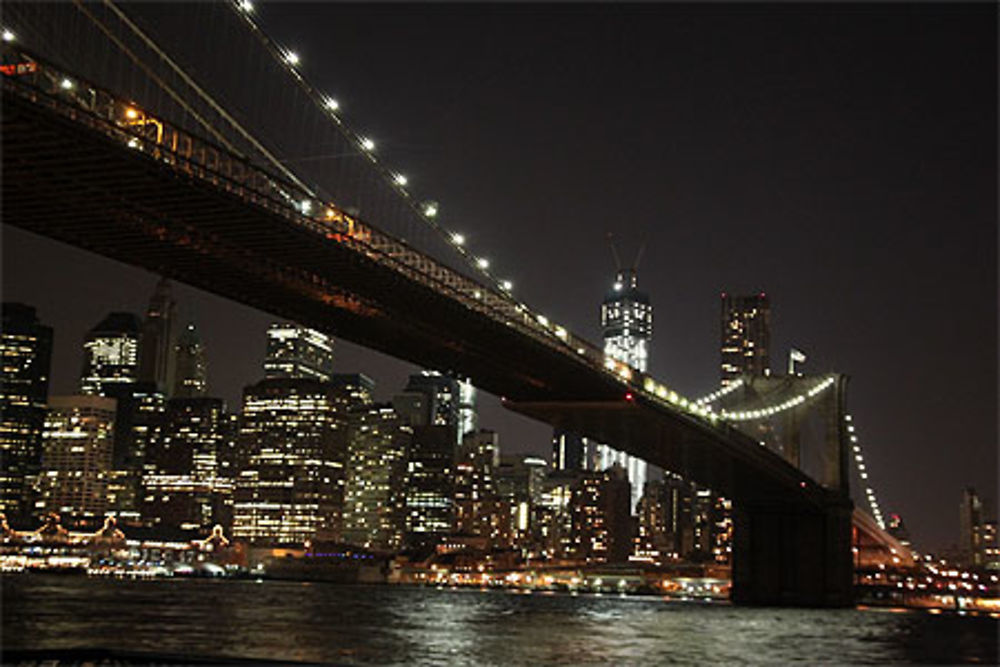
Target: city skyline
{"x": 896, "y": 383}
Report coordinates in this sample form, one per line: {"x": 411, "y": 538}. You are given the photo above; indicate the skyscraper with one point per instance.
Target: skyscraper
{"x": 569, "y": 451}
{"x": 157, "y": 344}
{"x": 25, "y": 352}
{"x": 290, "y": 489}
{"x": 111, "y": 356}
{"x": 183, "y": 488}
{"x": 430, "y": 405}
{"x": 294, "y": 351}
{"x": 746, "y": 336}
{"x": 475, "y": 490}
{"x": 374, "y": 494}
{"x": 601, "y": 517}
{"x": 77, "y": 455}
{"x": 970, "y": 516}
{"x": 627, "y": 322}
{"x": 191, "y": 373}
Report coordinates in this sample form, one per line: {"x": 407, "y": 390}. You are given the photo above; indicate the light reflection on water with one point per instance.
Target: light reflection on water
{"x": 383, "y": 624}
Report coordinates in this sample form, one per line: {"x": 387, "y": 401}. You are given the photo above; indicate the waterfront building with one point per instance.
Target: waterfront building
{"x": 430, "y": 405}
{"x": 111, "y": 356}
{"x": 519, "y": 482}
{"x": 139, "y": 422}
{"x": 77, "y": 457}
{"x": 989, "y": 545}
{"x": 291, "y": 488}
{"x": 156, "y": 349}
{"x": 970, "y": 516}
{"x": 295, "y": 351}
{"x": 745, "y": 337}
{"x": 601, "y": 517}
{"x": 552, "y": 533}
{"x": 184, "y": 489}
{"x": 26, "y": 355}
{"x": 191, "y": 372}
{"x": 655, "y": 540}
{"x": 378, "y": 446}
{"x": 475, "y": 492}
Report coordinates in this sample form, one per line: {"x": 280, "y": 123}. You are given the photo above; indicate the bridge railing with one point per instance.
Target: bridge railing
{"x": 32, "y": 77}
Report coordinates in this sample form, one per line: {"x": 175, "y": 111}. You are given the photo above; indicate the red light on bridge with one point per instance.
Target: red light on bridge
{"x": 802, "y": 484}
{"x": 629, "y": 396}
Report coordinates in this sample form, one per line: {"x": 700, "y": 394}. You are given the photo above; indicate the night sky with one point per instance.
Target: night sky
{"x": 841, "y": 158}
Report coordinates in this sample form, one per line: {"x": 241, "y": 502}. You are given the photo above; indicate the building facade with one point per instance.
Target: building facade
{"x": 77, "y": 458}
{"x": 156, "y": 350}
{"x": 295, "y": 351}
{"x": 26, "y": 355}
{"x": 378, "y": 447}
{"x": 191, "y": 371}
{"x": 601, "y": 517}
{"x": 746, "y": 336}
{"x": 291, "y": 487}
{"x": 430, "y": 405}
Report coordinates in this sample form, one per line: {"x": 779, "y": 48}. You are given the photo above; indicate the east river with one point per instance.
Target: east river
{"x": 328, "y": 623}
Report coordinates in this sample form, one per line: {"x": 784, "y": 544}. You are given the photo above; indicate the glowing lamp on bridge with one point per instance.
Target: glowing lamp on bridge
{"x": 331, "y": 104}
{"x": 246, "y": 6}
{"x": 431, "y": 210}
{"x": 483, "y": 263}
{"x": 399, "y": 179}
{"x": 8, "y": 36}
{"x": 292, "y": 58}
{"x": 66, "y": 84}
{"x": 629, "y": 396}
{"x": 367, "y": 144}
{"x": 507, "y": 285}
{"x": 457, "y": 239}
{"x": 131, "y": 113}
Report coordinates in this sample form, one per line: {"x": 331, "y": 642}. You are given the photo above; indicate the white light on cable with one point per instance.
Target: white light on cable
{"x": 292, "y": 58}
{"x": 367, "y": 144}
{"x": 430, "y": 209}
{"x": 507, "y": 285}
{"x": 399, "y": 179}
{"x": 246, "y": 6}
{"x": 306, "y": 206}
{"x": 8, "y": 36}
{"x": 66, "y": 84}
{"x": 457, "y": 239}
{"x": 332, "y": 104}
{"x": 483, "y": 263}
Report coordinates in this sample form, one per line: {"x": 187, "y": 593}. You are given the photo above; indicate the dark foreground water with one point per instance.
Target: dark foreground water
{"x": 382, "y": 624}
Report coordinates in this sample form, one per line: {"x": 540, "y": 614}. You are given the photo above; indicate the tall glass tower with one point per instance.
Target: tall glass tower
{"x": 746, "y": 336}
{"x": 627, "y": 321}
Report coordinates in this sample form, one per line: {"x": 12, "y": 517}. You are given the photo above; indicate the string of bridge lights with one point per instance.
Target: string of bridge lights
{"x": 761, "y": 413}
{"x": 427, "y": 211}
{"x": 859, "y": 462}
{"x": 719, "y": 393}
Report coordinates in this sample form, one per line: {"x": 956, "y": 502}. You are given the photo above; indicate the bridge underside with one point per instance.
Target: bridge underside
{"x": 791, "y": 537}
{"x": 69, "y": 182}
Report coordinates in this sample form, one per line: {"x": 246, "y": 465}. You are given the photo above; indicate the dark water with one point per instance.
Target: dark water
{"x": 383, "y": 624}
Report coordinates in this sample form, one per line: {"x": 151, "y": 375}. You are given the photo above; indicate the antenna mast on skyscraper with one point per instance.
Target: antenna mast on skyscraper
{"x": 614, "y": 252}
{"x": 638, "y": 255}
